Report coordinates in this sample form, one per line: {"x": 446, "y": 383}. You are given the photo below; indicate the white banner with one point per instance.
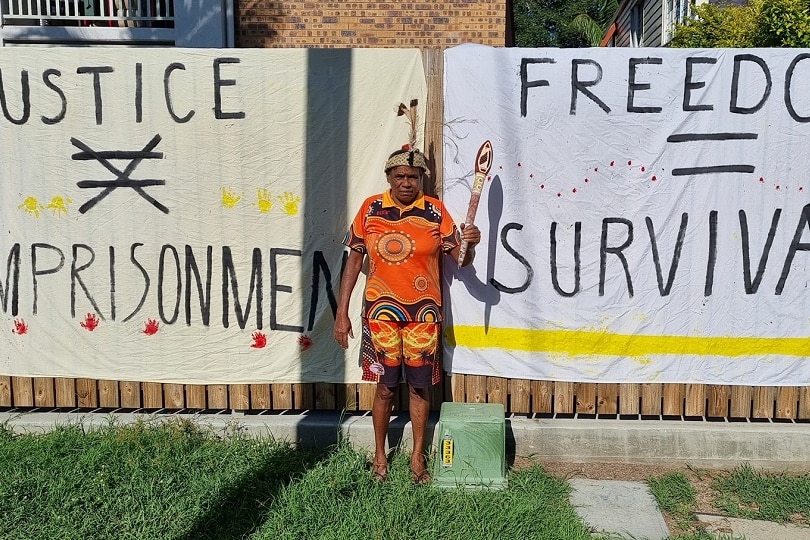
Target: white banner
{"x": 177, "y": 215}
{"x": 645, "y": 218}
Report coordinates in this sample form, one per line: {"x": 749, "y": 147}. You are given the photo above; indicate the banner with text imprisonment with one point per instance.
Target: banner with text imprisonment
{"x": 646, "y": 217}
{"x": 177, "y": 215}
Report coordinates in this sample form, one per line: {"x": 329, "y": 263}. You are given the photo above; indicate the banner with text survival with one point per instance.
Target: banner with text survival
{"x": 646, "y": 217}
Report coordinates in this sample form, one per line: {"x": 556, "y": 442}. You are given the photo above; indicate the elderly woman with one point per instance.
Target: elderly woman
{"x": 403, "y": 232}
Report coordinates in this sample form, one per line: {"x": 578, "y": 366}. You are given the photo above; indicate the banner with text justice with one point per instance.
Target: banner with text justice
{"x": 176, "y": 215}
{"x": 646, "y": 216}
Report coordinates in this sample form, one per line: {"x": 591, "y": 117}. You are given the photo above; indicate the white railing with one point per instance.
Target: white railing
{"x": 120, "y": 13}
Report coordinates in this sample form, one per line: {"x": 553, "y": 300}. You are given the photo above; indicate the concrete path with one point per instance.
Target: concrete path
{"x": 617, "y": 508}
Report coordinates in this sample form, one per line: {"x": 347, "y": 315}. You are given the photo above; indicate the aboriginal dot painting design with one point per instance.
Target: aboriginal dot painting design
{"x": 395, "y": 247}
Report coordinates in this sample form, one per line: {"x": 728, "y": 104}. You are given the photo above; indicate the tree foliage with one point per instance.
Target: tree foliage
{"x": 760, "y": 23}
{"x": 550, "y": 23}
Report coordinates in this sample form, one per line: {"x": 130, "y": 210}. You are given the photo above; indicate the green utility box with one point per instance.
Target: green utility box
{"x": 471, "y": 446}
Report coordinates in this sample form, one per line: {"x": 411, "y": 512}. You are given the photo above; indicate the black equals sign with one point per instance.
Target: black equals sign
{"x": 711, "y": 169}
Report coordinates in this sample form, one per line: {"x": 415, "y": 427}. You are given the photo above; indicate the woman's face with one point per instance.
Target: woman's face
{"x": 406, "y": 183}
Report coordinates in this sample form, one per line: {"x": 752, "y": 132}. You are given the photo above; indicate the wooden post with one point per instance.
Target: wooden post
{"x": 130, "y": 394}
{"x": 520, "y": 391}
{"x": 44, "y": 393}
{"x": 476, "y": 388}
{"x": 195, "y": 396}
{"x": 65, "y": 392}
{"x": 496, "y": 390}
{"x": 22, "y": 391}
{"x": 433, "y": 64}
{"x": 563, "y": 397}
{"x": 282, "y": 397}
{"x": 260, "y": 396}
{"x": 108, "y": 394}
{"x": 5, "y": 391}
{"x": 586, "y": 398}
{"x": 629, "y": 396}
{"x": 740, "y": 402}
{"x": 542, "y": 393}
{"x": 607, "y": 398}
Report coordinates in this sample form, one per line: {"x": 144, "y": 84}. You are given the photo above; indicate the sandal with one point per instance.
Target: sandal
{"x": 379, "y": 472}
{"x": 420, "y": 479}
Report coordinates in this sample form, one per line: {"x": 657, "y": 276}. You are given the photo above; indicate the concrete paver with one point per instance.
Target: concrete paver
{"x": 618, "y": 508}
{"x": 752, "y": 529}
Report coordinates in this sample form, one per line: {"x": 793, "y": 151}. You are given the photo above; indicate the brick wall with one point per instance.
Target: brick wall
{"x": 302, "y": 23}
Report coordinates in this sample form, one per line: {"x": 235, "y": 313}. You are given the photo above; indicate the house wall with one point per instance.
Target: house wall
{"x": 306, "y": 23}
{"x": 653, "y": 21}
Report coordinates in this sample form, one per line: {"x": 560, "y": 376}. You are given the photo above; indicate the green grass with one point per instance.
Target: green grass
{"x": 178, "y": 480}
{"x": 778, "y": 497}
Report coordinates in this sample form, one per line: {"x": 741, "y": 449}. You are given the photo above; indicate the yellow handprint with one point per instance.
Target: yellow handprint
{"x": 59, "y": 205}
{"x": 229, "y": 198}
{"x": 290, "y": 201}
{"x": 31, "y": 206}
{"x": 264, "y": 200}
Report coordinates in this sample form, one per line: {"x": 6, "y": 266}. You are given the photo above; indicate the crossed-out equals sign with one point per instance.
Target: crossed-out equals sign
{"x": 122, "y": 177}
{"x": 711, "y": 169}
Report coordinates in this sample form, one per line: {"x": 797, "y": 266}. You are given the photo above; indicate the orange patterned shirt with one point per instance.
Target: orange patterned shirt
{"x": 403, "y": 246}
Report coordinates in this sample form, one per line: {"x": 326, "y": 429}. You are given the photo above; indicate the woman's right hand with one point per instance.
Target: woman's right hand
{"x": 343, "y": 330}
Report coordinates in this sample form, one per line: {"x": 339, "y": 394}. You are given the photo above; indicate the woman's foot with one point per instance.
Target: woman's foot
{"x": 379, "y": 470}
{"x": 419, "y": 472}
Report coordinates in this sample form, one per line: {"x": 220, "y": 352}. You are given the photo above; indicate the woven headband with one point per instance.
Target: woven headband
{"x": 410, "y": 158}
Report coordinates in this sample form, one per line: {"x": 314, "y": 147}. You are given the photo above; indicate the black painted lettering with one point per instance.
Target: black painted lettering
{"x": 138, "y": 92}
{"x": 275, "y": 287}
{"x": 521, "y": 259}
{"x": 582, "y": 86}
{"x": 25, "y": 91}
{"x": 219, "y": 82}
{"x": 525, "y": 83}
{"x": 633, "y": 86}
{"x": 752, "y": 286}
{"x": 168, "y": 94}
{"x": 553, "y": 259}
{"x": 46, "y": 78}
{"x": 146, "y": 279}
{"x": 708, "y": 286}
{"x": 735, "y": 84}
{"x": 689, "y": 85}
{"x": 96, "y": 71}
{"x": 112, "y": 283}
{"x": 161, "y": 279}
{"x": 76, "y": 278}
{"x": 665, "y": 289}
{"x": 795, "y": 245}
{"x": 204, "y": 294}
{"x": 13, "y": 273}
{"x": 604, "y": 249}
{"x": 35, "y": 271}
{"x": 319, "y": 265}
{"x": 228, "y": 271}
{"x": 789, "y": 86}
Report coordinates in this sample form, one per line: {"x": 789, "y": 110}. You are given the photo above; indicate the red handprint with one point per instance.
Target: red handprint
{"x": 259, "y": 340}
{"x": 151, "y": 327}
{"x": 90, "y": 322}
{"x": 305, "y": 342}
{"x": 20, "y": 327}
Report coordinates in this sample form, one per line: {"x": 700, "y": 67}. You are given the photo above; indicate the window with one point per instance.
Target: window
{"x": 637, "y": 25}
{"x": 675, "y": 12}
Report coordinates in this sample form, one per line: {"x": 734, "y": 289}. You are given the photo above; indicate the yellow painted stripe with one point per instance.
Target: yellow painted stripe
{"x": 582, "y": 342}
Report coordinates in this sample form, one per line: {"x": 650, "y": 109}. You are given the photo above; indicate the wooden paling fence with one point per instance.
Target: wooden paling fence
{"x": 519, "y": 397}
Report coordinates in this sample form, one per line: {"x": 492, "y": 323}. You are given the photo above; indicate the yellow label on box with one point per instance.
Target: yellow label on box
{"x": 447, "y": 452}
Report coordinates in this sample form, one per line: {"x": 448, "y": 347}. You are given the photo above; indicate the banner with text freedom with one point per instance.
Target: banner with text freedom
{"x": 646, "y": 217}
